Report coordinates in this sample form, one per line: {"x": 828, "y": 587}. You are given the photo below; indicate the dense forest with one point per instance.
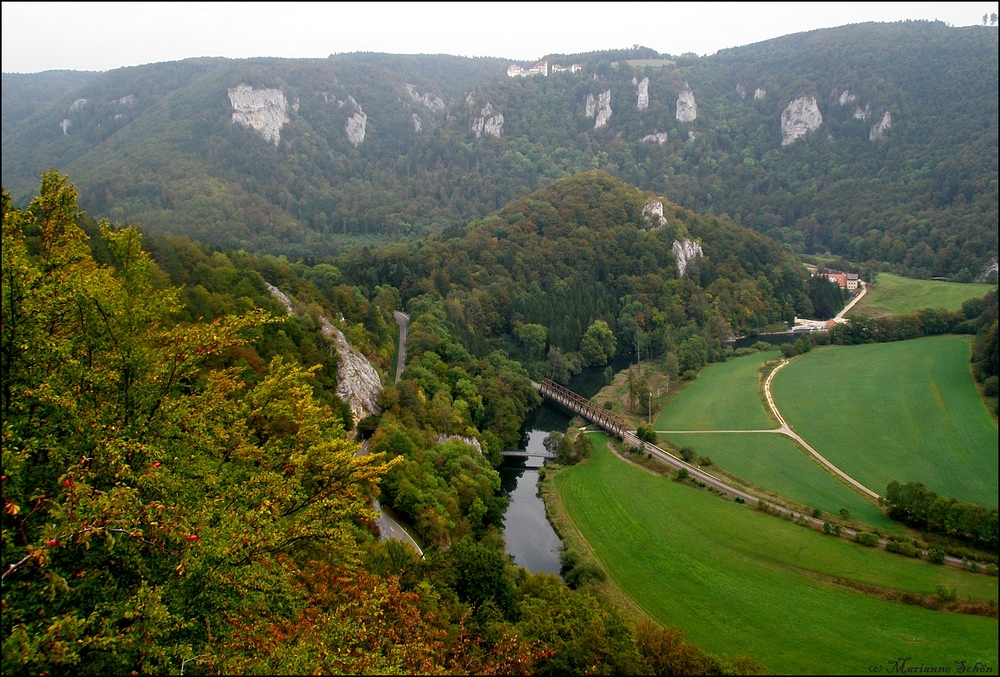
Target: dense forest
{"x": 155, "y": 145}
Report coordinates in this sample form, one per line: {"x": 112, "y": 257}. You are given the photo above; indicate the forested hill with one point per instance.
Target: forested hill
{"x": 873, "y": 141}
{"x": 589, "y": 255}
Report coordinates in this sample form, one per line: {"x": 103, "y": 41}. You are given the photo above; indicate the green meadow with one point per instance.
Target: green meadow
{"x": 726, "y": 396}
{"x": 896, "y": 295}
{"x": 775, "y": 463}
{"x": 738, "y": 581}
{"x": 906, "y": 411}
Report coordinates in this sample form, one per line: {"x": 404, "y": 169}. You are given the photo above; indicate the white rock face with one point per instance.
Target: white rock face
{"x": 847, "y": 98}
{"x": 127, "y": 100}
{"x": 599, "y": 108}
{"x": 358, "y": 383}
{"x": 685, "y": 251}
{"x": 800, "y": 117}
{"x": 263, "y": 110}
{"x": 881, "y": 128}
{"x": 759, "y": 93}
{"x": 432, "y": 101}
{"x": 642, "y": 89}
{"x": 863, "y": 114}
{"x": 471, "y": 441}
{"x": 470, "y": 99}
{"x": 416, "y": 123}
{"x": 355, "y": 128}
{"x": 490, "y": 121}
{"x": 64, "y": 125}
{"x": 687, "y": 109}
{"x": 653, "y": 214}
{"x": 655, "y": 137}
{"x": 741, "y": 90}
{"x": 77, "y": 105}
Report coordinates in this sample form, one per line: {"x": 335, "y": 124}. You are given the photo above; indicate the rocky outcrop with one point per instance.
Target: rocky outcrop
{"x": 686, "y": 251}
{"x": 416, "y": 123}
{"x": 881, "y": 128}
{"x": 846, "y": 97}
{"x": 358, "y": 383}
{"x": 432, "y": 101}
{"x": 355, "y": 125}
{"x": 471, "y": 441}
{"x": 263, "y": 110}
{"x": 599, "y": 108}
{"x": 655, "y": 137}
{"x": 490, "y": 121}
{"x": 759, "y": 94}
{"x": 800, "y": 117}
{"x": 642, "y": 90}
{"x": 77, "y": 105}
{"x": 127, "y": 100}
{"x": 741, "y": 90}
{"x": 860, "y": 114}
{"x": 64, "y": 126}
{"x": 687, "y": 109}
{"x": 652, "y": 213}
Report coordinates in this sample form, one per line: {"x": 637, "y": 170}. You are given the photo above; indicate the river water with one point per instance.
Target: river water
{"x": 530, "y": 538}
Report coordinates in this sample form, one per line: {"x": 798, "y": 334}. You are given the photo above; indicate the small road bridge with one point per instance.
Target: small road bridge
{"x": 581, "y": 406}
{"x": 521, "y": 453}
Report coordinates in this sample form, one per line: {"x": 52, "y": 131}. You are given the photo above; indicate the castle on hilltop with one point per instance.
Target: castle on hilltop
{"x": 540, "y": 68}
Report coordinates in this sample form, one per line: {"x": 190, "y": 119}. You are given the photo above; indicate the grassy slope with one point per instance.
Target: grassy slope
{"x": 724, "y": 397}
{"x": 777, "y": 464}
{"x": 731, "y": 578}
{"x": 895, "y": 295}
{"x": 904, "y": 411}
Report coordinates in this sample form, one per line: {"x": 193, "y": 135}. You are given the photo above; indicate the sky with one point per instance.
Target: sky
{"x": 40, "y": 36}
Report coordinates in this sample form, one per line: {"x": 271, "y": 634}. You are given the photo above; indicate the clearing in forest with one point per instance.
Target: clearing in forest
{"x": 896, "y": 295}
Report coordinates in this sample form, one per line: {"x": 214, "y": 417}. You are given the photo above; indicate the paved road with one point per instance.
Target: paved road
{"x": 387, "y": 526}
{"x": 854, "y": 301}
{"x": 401, "y": 319}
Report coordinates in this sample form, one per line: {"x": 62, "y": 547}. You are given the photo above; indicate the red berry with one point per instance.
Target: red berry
{"x": 53, "y": 542}
{"x": 193, "y": 537}
{"x": 67, "y": 483}
{"x": 157, "y": 464}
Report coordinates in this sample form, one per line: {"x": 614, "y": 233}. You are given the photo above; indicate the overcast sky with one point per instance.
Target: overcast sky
{"x": 102, "y": 36}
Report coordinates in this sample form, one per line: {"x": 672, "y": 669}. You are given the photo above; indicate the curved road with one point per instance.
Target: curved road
{"x": 401, "y": 319}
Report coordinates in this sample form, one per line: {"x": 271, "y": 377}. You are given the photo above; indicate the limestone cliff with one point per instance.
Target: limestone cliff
{"x": 741, "y": 90}
{"x": 355, "y": 125}
{"x": 687, "y": 109}
{"x": 800, "y": 117}
{"x": 846, "y": 97}
{"x": 759, "y": 94}
{"x": 263, "y": 110}
{"x": 653, "y": 215}
{"x": 490, "y": 121}
{"x": 642, "y": 90}
{"x": 599, "y": 108}
{"x": 881, "y": 128}
{"x": 358, "y": 383}
{"x": 655, "y": 137}
{"x": 416, "y": 123}
{"x": 432, "y": 101}
{"x": 685, "y": 251}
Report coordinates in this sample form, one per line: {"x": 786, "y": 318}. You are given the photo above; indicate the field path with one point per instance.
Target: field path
{"x": 786, "y": 430}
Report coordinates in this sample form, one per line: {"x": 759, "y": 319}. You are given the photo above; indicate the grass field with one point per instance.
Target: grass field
{"x": 775, "y": 463}
{"x": 737, "y": 581}
{"x": 896, "y": 411}
{"x": 895, "y": 295}
{"x": 726, "y": 396}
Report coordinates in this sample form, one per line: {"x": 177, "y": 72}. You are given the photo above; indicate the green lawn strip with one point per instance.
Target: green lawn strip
{"x": 896, "y": 411}
{"x": 729, "y": 577}
{"x": 775, "y": 463}
{"x": 725, "y": 396}
{"x": 896, "y": 295}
